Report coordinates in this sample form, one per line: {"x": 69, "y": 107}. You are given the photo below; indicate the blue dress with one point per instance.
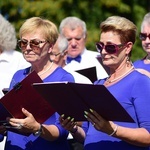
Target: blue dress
{"x": 133, "y": 93}
{"x": 141, "y": 64}
{"x": 20, "y": 142}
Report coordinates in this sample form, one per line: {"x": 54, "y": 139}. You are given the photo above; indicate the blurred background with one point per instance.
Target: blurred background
{"x": 93, "y": 12}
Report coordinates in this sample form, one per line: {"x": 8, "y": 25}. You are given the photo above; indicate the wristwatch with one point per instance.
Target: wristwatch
{"x": 38, "y": 133}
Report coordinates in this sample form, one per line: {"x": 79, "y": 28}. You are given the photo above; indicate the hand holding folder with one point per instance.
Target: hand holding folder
{"x": 72, "y": 99}
{"x": 23, "y": 95}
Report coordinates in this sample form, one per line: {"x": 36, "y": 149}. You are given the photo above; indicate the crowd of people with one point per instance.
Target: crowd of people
{"x": 56, "y": 54}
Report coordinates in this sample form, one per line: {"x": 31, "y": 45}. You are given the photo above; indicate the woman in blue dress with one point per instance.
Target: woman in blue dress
{"x": 127, "y": 85}
{"x": 37, "y": 37}
{"x": 143, "y": 65}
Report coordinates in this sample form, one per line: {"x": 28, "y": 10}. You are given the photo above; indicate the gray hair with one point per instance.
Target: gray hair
{"x": 8, "y": 38}
{"x": 62, "y": 44}
{"x": 72, "y": 23}
{"x": 146, "y": 20}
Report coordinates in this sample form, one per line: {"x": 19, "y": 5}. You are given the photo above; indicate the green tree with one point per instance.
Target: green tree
{"x": 92, "y": 12}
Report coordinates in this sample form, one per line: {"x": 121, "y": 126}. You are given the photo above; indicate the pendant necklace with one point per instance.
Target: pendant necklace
{"x": 110, "y": 81}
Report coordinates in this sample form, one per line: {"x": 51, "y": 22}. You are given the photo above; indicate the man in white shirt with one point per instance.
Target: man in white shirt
{"x": 74, "y": 29}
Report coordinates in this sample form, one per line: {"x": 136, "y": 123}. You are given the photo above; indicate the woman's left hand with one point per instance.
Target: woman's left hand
{"x": 99, "y": 123}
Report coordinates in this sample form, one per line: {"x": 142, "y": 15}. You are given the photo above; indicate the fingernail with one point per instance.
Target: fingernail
{"x": 68, "y": 118}
{"x": 91, "y": 110}
{"x": 62, "y": 115}
{"x": 72, "y": 119}
{"x": 85, "y": 116}
{"x": 86, "y": 112}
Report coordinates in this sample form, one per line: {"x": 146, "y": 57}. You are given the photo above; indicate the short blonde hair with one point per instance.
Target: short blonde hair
{"x": 124, "y": 27}
{"x": 48, "y": 28}
{"x": 8, "y": 40}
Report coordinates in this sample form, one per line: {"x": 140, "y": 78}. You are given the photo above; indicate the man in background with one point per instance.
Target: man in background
{"x": 74, "y": 29}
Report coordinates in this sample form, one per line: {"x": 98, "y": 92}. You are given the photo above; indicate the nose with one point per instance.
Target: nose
{"x": 28, "y": 46}
{"x": 147, "y": 39}
{"x": 73, "y": 42}
{"x": 103, "y": 51}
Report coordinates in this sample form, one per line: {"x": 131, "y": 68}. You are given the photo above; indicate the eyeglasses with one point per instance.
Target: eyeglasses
{"x": 143, "y": 36}
{"x": 55, "y": 54}
{"x": 34, "y": 44}
{"x": 109, "y": 48}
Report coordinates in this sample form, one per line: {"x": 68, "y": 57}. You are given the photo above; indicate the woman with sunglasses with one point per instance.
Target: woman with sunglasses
{"x": 143, "y": 65}
{"x": 130, "y": 88}
{"x": 37, "y": 37}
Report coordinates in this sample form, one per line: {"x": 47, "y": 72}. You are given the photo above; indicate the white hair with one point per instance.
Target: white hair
{"x": 72, "y": 23}
{"x": 62, "y": 43}
{"x": 146, "y": 20}
{"x": 8, "y": 38}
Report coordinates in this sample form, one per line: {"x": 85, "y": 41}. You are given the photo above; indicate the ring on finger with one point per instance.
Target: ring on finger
{"x": 20, "y": 126}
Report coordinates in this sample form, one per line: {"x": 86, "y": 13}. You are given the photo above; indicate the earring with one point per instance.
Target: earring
{"x": 128, "y": 61}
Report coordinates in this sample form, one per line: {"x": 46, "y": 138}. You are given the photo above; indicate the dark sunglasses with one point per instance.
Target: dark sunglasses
{"x": 34, "y": 44}
{"x": 109, "y": 48}
{"x": 143, "y": 36}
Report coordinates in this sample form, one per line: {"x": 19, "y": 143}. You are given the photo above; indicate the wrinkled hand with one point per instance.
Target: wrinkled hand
{"x": 68, "y": 123}
{"x": 99, "y": 123}
{"x": 27, "y": 125}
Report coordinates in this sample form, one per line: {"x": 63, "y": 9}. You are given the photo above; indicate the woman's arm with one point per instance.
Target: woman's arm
{"x": 30, "y": 125}
{"x": 135, "y": 136}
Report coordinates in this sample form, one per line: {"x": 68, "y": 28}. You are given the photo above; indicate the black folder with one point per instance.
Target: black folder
{"x": 89, "y": 73}
{"x": 23, "y": 95}
{"x": 72, "y": 99}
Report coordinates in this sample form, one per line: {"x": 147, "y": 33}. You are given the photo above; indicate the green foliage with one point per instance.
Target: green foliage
{"x": 92, "y": 12}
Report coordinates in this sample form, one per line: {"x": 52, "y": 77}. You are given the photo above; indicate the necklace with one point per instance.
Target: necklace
{"x": 110, "y": 81}
{"x": 40, "y": 74}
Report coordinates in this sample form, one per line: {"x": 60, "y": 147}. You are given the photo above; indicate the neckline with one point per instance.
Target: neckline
{"x": 40, "y": 74}
{"x": 119, "y": 77}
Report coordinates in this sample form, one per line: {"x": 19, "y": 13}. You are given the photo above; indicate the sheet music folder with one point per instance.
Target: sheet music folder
{"x": 23, "y": 95}
{"x": 72, "y": 99}
{"x": 89, "y": 73}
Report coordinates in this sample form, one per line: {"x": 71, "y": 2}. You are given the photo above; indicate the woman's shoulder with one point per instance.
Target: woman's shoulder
{"x": 21, "y": 72}
{"x": 139, "y": 77}
{"x": 59, "y": 74}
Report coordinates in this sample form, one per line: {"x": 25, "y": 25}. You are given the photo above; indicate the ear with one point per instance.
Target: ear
{"x": 65, "y": 54}
{"x": 129, "y": 47}
{"x": 50, "y": 48}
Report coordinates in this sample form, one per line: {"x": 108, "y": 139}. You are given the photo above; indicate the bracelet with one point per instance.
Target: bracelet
{"x": 38, "y": 133}
{"x": 73, "y": 132}
{"x": 115, "y": 130}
